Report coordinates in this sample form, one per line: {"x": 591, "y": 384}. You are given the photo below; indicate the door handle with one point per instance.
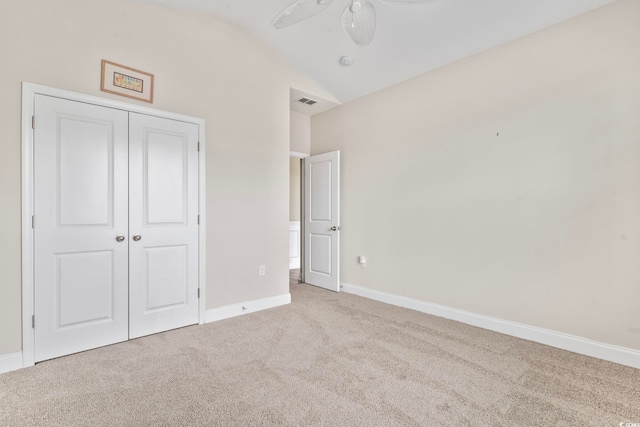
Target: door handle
{"x": 137, "y": 237}
{"x": 120, "y": 238}
{"x": 334, "y": 228}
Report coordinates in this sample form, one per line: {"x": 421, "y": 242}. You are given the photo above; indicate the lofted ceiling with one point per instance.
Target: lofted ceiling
{"x": 409, "y": 40}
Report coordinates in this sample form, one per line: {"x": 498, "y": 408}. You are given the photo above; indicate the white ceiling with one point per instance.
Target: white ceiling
{"x": 409, "y": 40}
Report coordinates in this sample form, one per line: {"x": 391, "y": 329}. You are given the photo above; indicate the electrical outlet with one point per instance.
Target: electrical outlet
{"x": 262, "y": 270}
{"x": 363, "y": 261}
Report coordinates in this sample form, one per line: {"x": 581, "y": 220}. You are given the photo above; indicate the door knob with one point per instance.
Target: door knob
{"x": 137, "y": 237}
{"x": 120, "y": 238}
{"x": 334, "y": 228}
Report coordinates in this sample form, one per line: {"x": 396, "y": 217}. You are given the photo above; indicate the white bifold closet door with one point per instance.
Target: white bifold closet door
{"x": 102, "y": 178}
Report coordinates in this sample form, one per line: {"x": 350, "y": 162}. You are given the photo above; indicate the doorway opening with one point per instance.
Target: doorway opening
{"x": 314, "y": 200}
{"x": 296, "y": 164}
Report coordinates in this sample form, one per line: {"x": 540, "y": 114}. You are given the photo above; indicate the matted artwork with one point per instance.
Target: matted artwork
{"x": 126, "y": 81}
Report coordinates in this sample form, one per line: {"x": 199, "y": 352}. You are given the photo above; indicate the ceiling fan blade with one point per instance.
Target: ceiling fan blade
{"x": 298, "y": 11}
{"x": 359, "y": 21}
{"x": 406, "y": 2}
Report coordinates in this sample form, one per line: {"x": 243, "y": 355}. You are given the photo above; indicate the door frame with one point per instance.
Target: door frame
{"x": 301, "y": 157}
{"x": 29, "y": 91}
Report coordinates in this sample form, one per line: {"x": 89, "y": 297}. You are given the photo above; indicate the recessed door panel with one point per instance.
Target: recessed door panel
{"x": 85, "y": 288}
{"x": 85, "y": 149}
{"x": 80, "y": 185}
{"x": 320, "y": 176}
{"x": 166, "y": 178}
{"x": 163, "y": 191}
{"x": 320, "y": 253}
{"x": 167, "y": 281}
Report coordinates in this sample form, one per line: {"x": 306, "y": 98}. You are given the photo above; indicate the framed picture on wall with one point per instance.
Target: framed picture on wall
{"x": 126, "y": 81}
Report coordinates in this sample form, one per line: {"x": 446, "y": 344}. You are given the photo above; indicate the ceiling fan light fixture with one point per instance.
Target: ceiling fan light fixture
{"x": 358, "y": 19}
{"x": 355, "y": 6}
{"x": 360, "y": 26}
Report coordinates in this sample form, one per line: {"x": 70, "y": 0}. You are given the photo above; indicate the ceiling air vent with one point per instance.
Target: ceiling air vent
{"x": 307, "y": 101}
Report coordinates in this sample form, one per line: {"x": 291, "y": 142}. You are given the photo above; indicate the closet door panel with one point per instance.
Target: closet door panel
{"x": 80, "y": 199}
{"x": 163, "y": 217}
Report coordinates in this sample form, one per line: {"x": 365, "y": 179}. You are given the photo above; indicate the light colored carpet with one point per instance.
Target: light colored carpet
{"x": 327, "y": 360}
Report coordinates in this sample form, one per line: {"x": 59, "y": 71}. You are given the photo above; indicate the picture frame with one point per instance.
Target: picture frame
{"x": 126, "y": 81}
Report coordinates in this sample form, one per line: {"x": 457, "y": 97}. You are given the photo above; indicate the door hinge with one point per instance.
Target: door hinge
{"x": 198, "y": 145}
{"x": 198, "y": 219}
{"x": 33, "y": 122}
{"x": 33, "y": 321}
{"x": 198, "y": 292}
{"x": 33, "y": 221}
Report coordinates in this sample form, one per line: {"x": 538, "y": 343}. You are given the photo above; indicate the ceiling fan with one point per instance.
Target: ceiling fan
{"x": 358, "y": 18}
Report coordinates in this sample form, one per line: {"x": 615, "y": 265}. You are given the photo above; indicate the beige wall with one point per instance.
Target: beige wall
{"x": 506, "y": 184}
{"x": 294, "y": 189}
{"x": 203, "y": 67}
{"x": 300, "y": 131}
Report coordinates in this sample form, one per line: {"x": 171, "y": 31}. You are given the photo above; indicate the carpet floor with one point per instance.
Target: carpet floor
{"x": 327, "y": 359}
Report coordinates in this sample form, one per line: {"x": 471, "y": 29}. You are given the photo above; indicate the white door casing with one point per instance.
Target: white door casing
{"x": 81, "y": 283}
{"x": 163, "y": 191}
{"x": 322, "y": 220}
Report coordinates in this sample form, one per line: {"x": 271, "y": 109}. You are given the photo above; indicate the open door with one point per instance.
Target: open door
{"x": 322, "y": 220}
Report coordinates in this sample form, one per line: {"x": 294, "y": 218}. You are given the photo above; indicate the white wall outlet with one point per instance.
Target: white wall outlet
{"x": 363, "y": 261}
{"x": 262, "y": 270}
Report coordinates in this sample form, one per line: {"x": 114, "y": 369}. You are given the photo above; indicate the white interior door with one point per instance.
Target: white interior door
{"x": 163, "y": 223}
{"x": 80, "y": 189}
{"x": 322, "y": 220}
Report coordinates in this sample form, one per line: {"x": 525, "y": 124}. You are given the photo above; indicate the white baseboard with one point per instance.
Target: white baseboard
{"x": 233, "y": 310}
{"x": 10, "y": 362}
{"x": 612, "y": 353}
